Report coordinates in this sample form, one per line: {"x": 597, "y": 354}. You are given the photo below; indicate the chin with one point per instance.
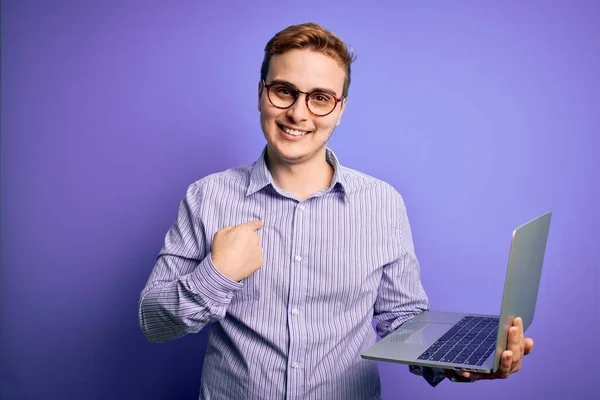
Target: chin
{"x": 294, "y": 152}
{"x": 291, "y": 156}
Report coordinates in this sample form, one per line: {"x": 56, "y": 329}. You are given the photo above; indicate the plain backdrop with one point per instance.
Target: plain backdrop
{"x": 483, "y": 115}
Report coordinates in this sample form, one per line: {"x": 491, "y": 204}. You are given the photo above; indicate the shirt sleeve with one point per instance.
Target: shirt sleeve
{"x": 185, "y": 291}
{"x": 433, "y": 376}
{"x": 401, "y": 294}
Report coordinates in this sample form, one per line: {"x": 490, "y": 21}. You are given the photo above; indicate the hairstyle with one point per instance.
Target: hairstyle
{"x": 309, "y": 36}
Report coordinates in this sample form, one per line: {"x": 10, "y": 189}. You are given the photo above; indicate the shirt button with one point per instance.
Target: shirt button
{"x": 295, "y": 311}
{"x": 298, "y": 258}
{"x": 301, "y": 208}
{"x": 294, "y": 364}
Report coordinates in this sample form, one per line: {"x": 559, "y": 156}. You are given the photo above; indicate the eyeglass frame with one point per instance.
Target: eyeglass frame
{"x": 306, "y": 97}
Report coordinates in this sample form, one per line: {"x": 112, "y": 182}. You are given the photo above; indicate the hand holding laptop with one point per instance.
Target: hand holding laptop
{"x": 473, "y": 346}
{"x": 512, "y": 358}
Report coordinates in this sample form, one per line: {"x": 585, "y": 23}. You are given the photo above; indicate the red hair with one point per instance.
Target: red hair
{"x": 309, "y": 36}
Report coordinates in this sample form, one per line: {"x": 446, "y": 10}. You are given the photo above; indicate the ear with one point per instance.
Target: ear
{"x": 343, "y": 108}
{"x": 260, "y": 90}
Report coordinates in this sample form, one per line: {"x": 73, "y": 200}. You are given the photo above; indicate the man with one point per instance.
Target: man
{"x": 292, "y": 257}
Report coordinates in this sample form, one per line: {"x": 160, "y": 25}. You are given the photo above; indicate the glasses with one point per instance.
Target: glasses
{"x": 319, "y": 102}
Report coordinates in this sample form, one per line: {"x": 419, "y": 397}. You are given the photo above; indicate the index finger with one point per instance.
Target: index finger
{"x": 254, "y": 225}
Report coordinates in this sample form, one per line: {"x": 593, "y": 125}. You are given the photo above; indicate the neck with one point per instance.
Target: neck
{"x": 301, "y": 179}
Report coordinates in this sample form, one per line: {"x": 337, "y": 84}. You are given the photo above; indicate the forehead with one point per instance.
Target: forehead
{"x": 307, "y": 69}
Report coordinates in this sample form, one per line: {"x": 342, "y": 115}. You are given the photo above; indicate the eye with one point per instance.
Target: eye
{"x": 284, "y": 91}
{"x": 322, "y": 98}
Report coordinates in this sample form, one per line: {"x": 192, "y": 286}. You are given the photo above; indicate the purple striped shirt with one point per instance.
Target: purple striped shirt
{"x": 295, "y": 328}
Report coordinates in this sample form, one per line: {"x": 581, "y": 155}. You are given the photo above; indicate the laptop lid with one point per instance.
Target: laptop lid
{"x": 522, "y": 278}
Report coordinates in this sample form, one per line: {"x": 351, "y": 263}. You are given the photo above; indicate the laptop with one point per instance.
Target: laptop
{"x": 473, "y": 342}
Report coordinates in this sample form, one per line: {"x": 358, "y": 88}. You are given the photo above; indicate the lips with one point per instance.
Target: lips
{"x": 293, "y": 132}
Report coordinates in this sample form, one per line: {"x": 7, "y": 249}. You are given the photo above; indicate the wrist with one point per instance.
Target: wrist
{"x": 454, "y": 377}
{"x": 218, "y": 264}
{"x": 214, "y": 286}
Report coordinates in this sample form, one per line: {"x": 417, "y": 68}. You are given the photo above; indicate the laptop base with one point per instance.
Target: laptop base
{"x": 436, "y": 338}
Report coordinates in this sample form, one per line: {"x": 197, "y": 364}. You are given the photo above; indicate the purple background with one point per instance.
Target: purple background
{"x": 482, "y": 114}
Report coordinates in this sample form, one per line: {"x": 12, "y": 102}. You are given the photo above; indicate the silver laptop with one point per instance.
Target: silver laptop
{"x": 473, "y": 342}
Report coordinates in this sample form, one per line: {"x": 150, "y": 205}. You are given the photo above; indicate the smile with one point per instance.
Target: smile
{"x": 293, "y": 132}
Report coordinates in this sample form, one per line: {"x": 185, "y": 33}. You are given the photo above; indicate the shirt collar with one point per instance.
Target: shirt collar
{"x": 260, "y": 176}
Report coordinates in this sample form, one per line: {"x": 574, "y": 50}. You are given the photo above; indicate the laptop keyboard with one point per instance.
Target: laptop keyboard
{"x": 470, "y": 342}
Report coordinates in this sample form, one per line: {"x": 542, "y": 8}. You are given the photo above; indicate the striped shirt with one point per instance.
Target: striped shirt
{"x": 295, "y": 328}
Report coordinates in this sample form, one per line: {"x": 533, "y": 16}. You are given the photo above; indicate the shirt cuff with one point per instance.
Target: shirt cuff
{"x": 210, "y": 284}
{"x": 433, "y": 376}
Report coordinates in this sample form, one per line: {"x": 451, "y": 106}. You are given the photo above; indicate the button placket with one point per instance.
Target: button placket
{"x": 296, "y": 298}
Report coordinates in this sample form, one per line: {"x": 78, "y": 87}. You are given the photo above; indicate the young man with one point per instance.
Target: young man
{"x": 293, "y": 256}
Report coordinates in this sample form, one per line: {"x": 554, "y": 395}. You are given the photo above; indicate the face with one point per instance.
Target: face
{"x": 294, "y": 135}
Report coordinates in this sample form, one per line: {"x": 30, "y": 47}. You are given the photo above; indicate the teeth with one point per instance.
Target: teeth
{"x": 293, "y": 132}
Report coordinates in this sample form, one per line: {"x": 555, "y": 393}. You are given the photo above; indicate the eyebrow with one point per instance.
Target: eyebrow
{"x": 318, "y": 89}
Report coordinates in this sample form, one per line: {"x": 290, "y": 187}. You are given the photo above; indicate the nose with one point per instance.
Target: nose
{"x": 299, "y": 111}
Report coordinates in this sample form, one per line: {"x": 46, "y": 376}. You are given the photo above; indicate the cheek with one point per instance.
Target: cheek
{"x": 268, "y": 113}
{"x": 267, "y": 120}
{"x": 265, "y": 115}
{"x": 326, "y": 125}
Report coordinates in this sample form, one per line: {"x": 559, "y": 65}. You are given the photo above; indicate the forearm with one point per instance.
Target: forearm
{"x": 171, "y": 308}
{"x": 401, "y": 295}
